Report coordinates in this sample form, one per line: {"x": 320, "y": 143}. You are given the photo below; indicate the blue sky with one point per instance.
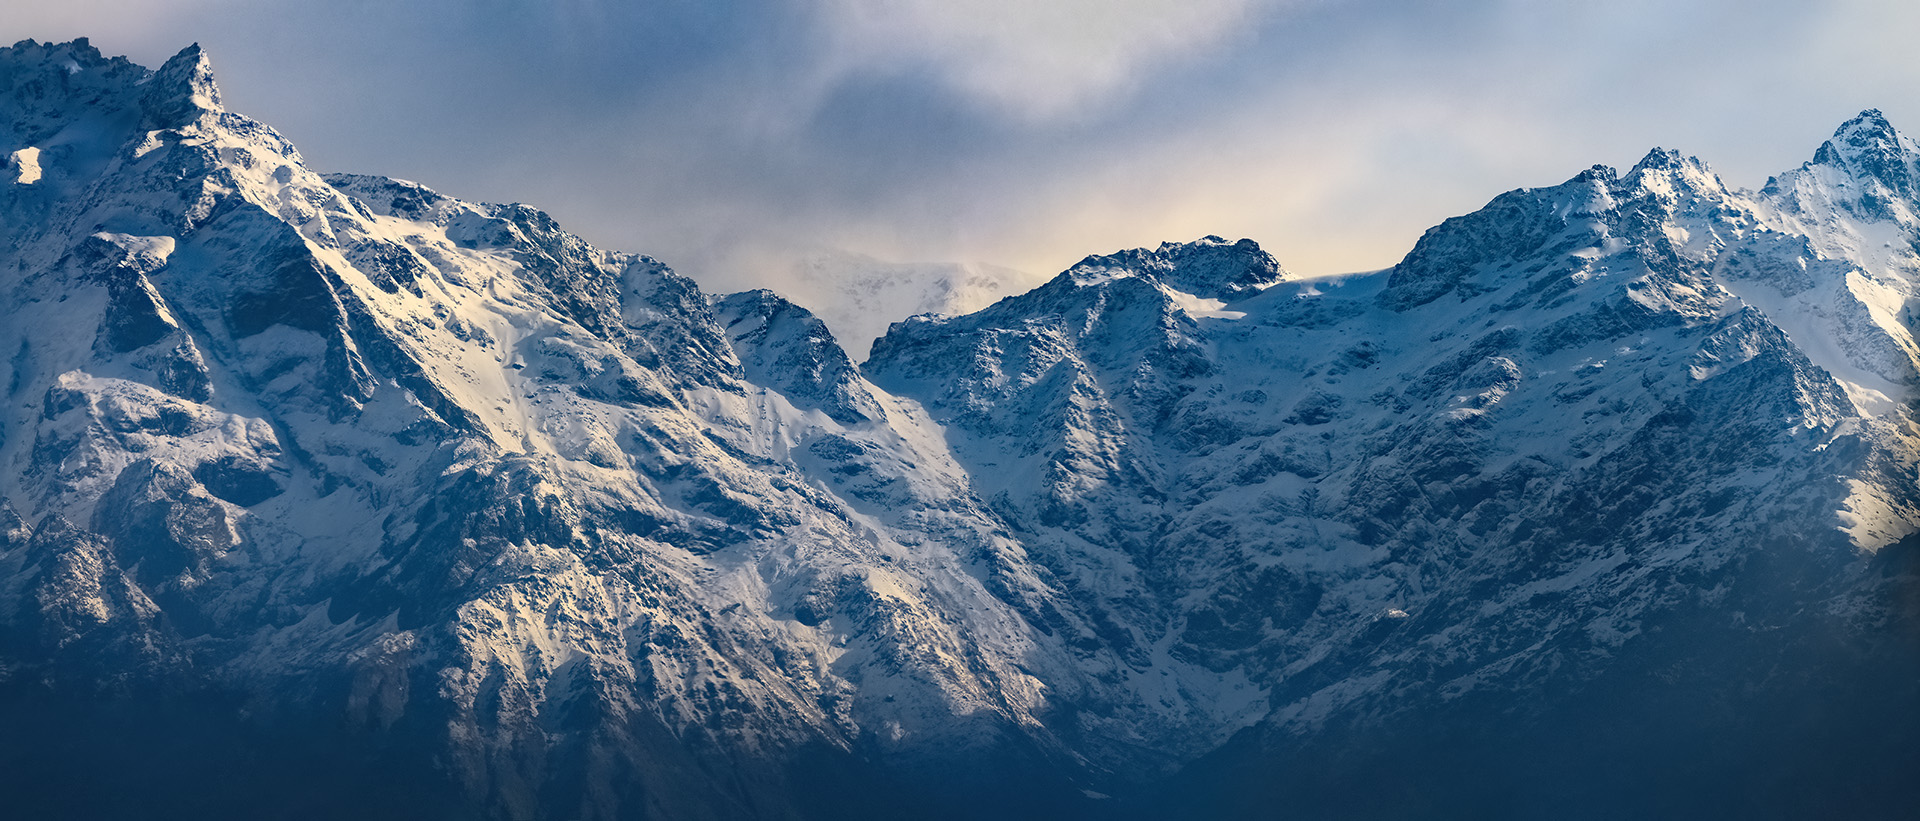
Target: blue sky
{"x": 730, "y": 138}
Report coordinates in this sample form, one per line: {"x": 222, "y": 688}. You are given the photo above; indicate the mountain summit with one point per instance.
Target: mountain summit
{"x": 373, "y": 501}
{"x": 1209, "y": 267}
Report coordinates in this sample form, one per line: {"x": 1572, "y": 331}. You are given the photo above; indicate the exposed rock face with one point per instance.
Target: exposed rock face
{"x": 345, "y": 464}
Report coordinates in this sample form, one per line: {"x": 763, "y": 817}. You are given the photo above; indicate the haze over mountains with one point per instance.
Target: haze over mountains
{"x": 859, "y": 296}
{"x": 327, "y": 494}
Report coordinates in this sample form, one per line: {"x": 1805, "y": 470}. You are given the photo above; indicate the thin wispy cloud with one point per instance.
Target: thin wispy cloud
{"x": 1034, "y": 61}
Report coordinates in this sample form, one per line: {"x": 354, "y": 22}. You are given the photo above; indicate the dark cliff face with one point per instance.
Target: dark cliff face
{"x": 436, "y": 501}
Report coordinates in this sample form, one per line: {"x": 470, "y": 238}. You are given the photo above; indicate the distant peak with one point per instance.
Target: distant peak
{"x": 1597, "y": 173}
{"x": 44, "y": 87}
{"x": 1870, "y": 124}
{"x": 181, "y": 90}
{"x": 760, "y": 301}
{"x": 33, "y": 59}
{"x": 1210, "y": 266}
{"x": 1869, "y": 146}
{"x": 1665, "y": 168}
{"x": 1660, "y": 159}
{"x": 78, "y": 47}
{"x": 1868, "y": 168}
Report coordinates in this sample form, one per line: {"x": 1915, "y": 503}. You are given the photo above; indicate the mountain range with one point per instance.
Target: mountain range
{"x": 328, "y": 494}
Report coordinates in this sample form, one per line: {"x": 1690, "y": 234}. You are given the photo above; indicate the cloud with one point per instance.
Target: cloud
{"x": 1033, "y": 60}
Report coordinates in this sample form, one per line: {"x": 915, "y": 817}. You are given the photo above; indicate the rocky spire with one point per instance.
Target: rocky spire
{"x": 181, "y": 90}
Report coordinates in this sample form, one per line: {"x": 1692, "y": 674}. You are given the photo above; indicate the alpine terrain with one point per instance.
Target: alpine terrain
{"x": 329, "y": 495}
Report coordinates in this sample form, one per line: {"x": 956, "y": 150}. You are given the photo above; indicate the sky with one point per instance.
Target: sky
{"x": 731, "y": 139}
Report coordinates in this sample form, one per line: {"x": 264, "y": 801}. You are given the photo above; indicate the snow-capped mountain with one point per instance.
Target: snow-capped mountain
{"x": 337, "y": 466}
{"x": 1612, "y": 420}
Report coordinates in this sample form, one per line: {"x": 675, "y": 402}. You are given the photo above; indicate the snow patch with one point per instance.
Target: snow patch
{"x": 26, "y": 165}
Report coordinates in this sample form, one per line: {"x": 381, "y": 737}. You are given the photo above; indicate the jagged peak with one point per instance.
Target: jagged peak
{"x": 754, "y": 312}
{"x": 46, "y": 86}
{"x": 1596, "y": 190}
{"x": 80, "y": 50}
{"x": 1209, "y": 267}
{"x": 1664, "y": 169}
{"x": 1663, "y": 159}
{"x": 1882, "y": 163}
{"x": 73, "y": 57}
{"x": 783, "y": 345}
{"x": 1869, "y": 128}
{"x": 762, "y": 303}
{"x": 1868, "y": 146}
{"x": 181, "y": 90}
{"x": 1597, "y": 173}
{"x": 1511, "y": 227}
